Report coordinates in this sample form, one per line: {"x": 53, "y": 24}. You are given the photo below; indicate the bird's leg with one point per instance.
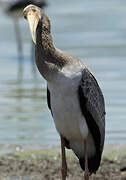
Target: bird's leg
{"x": 86, "y": 173}
{"x": 64, "y": 164}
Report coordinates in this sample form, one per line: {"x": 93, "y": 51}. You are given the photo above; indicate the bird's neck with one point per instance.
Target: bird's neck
{"x": 47, "y": 57}
{"x": 44, "y": 39}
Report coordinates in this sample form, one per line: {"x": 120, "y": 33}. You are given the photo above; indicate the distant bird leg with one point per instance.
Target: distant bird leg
{"x": 86, "y": 173}
{"x": 32, "y": 52}
{"x": 33, "y": 66}
{"x": 64, "y": 164}
{"x": 18, "y": 39}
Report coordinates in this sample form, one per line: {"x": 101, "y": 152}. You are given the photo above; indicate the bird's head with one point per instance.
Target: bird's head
{"x": 36, "y": 15}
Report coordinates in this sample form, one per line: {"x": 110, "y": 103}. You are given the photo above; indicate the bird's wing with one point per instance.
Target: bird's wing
{"x": 93, "y": 107}
{"x": 48, "y": 99}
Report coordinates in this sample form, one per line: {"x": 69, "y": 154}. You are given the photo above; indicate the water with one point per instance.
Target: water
{"x": 94, "y": 31}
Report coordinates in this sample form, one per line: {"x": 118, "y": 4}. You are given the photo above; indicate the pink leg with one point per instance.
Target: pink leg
{"x": 86, "y": 173}
{"x": 64, "y": 164}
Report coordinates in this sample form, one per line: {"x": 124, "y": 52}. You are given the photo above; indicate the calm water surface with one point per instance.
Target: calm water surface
{"x": 94, "y": 31}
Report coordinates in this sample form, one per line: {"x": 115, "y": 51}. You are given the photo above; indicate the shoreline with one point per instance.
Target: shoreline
{"x": 45, "y": 164}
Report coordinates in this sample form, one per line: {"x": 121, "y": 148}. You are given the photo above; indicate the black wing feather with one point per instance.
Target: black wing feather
{"x": 48, "y": 99}
{"x": 93, "y": 162}
{"x": 92, "y": 107}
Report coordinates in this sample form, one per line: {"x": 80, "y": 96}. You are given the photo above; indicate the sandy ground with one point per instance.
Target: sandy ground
{"x": 44, "y": 164}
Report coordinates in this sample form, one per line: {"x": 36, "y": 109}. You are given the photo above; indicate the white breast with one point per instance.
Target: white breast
{"x": 67, "y": 114}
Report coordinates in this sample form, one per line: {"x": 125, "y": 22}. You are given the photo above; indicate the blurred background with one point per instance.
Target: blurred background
{"x": 94, "y": 31}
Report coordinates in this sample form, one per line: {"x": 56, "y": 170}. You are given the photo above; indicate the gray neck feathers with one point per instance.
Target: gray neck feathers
{"x": 48, "y": 59}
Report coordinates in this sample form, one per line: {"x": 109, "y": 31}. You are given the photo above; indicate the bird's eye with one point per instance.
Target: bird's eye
{"x": 33, "y": 10}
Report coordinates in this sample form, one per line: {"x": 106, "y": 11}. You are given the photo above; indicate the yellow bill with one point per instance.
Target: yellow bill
{"x": 32, "y": 14}
{"x": 33, "y": 22}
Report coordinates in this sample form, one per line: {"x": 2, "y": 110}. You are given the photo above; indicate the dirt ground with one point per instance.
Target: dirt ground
{"x": 33, "y": 165}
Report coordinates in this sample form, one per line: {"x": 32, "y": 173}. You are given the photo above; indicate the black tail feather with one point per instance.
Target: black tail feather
{"x": 93, "y": 163}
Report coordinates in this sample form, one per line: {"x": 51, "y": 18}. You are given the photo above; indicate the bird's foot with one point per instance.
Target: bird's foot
{"x": 86, "y": 175}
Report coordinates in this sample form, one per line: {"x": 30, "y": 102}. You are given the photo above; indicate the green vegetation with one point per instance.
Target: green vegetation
{"x": 112, "y": 152}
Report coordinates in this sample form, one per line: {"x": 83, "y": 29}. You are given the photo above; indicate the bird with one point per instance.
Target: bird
{"x": 14, "y": 9}
{"x": 74, "y": 96}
